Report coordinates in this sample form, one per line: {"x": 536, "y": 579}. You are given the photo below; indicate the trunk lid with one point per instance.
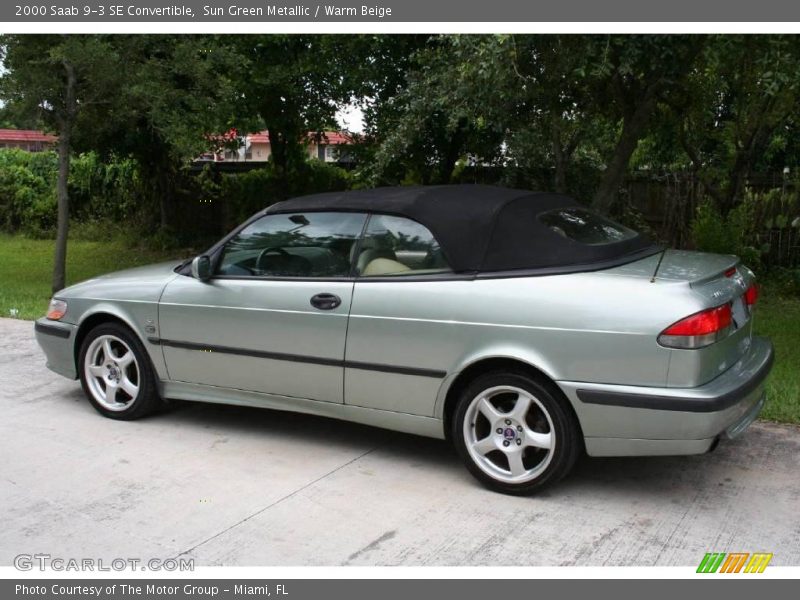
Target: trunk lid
{"x": 714, "y": 279}
{"x": 680, "y": 265}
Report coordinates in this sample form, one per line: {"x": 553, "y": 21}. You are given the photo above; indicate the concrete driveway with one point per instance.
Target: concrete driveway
{"x": 237, "y": 486}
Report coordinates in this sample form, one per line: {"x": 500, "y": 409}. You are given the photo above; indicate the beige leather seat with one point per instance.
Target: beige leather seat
{"x": 384, "y": 266}
{"x": 368, "y": 252}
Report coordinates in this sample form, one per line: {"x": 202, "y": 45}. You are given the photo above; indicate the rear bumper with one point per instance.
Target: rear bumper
{"x": 57, "y": 340}
{"x": 632, "y": 420}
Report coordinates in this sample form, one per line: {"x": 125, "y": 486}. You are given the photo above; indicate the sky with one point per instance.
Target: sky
{"x": 351, "y": 118}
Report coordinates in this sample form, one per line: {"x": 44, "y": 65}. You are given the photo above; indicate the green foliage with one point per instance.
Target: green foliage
{"x": 35, "y": 75}
{"x": 293, "y": 85}
{"x": 99, "y": 191}
{"x": 729, "y": 234}
{"x": 762, "y": 228}
{"x": 108, "y": 197}
{"x": 568, "y": 113}
{"x": 246, "y": 193}
{"x": 737, "y": 115}
{"x": 27, "y": 191}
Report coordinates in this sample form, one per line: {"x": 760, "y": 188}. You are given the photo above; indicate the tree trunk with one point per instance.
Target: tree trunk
{"x": 560, "y": 175}
{"x": 746, "y": 155}
{"x": 451, "y": 154}
{"x": 164, "y": 196}
{"x": 64, "y": 143}
{"x": 279, "y": 155}
{"x": 277, "y": 147}
{"x": 633, "y": 126}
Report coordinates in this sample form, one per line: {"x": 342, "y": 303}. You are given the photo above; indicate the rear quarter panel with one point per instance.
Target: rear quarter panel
{"x": 577, "y": 327}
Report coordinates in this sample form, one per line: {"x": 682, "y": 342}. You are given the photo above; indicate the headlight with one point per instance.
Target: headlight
{"x": 56, "y": 310}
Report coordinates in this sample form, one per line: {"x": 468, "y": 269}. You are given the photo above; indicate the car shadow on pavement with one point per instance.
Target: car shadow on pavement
{"x": 651, "y": 475}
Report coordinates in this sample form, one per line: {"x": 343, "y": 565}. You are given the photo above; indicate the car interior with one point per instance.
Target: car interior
{"x": 381, "y": 253}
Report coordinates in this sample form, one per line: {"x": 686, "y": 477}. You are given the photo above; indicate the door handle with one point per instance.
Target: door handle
{"x": 325, "y": 301}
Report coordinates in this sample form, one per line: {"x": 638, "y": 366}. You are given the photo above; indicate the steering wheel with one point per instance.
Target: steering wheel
{"x": 266, "y": 251}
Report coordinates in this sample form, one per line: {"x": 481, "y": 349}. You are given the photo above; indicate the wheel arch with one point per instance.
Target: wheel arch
{"x": 492, "y": 364}
{"x": 98, "y": 316}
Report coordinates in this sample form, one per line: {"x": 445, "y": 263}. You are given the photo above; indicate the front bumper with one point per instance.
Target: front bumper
{"x": 57, "y": 340}
{"x": 630, "y": 420}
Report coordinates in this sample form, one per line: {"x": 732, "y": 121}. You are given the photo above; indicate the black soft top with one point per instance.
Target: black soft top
{"x": 481, "y": 228}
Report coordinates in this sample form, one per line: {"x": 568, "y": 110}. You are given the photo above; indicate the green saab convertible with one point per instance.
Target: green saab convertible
{"x": 521, "y": 326}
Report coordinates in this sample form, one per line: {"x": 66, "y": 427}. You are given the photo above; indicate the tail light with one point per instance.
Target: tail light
{"x": 751, "y": 295}
{"x": 698, "y": 330}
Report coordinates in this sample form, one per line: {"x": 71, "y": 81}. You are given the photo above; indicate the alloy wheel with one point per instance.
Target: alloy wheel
{"x": 112, "y": 373}
{"x": 509, "y": 434}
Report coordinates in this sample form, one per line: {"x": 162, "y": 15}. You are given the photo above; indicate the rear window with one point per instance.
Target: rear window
{"x": 585, "y": 226}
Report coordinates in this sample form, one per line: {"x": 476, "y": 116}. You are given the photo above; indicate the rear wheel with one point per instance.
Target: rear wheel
{"x": 116, "y": 374}
{"x": 514, "y": 433}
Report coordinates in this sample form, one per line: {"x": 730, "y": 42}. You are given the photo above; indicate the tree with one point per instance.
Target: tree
{"x": 294, "y": 85}
{"x": 437, "y": 113}
{"x": 744, "y": 101}
{"x": 178, "y": 91}
{"x": 632, "y": 76}
{"x": 63, "y": 80}
{"x": 535, "y": 102}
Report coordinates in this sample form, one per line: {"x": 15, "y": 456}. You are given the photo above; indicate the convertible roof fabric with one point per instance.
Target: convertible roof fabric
{"x": 480, "y": 228}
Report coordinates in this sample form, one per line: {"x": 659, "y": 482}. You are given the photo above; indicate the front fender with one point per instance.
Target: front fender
{"x": 140, "y": 317}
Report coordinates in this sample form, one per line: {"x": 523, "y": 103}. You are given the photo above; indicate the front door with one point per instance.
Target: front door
{"x": 273, "y": 318}
{"x": 400, "y": 340}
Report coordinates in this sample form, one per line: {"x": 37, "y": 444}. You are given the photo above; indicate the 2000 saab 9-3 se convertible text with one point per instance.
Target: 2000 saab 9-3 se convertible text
{"x": 521, "y": 326}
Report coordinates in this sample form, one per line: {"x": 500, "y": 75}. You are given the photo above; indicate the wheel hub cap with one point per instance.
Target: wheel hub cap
{"x": 113, "y": 373}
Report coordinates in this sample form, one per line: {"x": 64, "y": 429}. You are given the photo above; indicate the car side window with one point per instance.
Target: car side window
{"x": 396, "y": 246}
{"x": 312, "y": 244}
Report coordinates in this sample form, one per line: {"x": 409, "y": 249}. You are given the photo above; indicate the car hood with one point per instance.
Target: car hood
{"x": 140, "y": 283}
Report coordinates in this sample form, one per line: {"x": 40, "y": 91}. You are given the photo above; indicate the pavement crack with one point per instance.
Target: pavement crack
{"x": 371, "y": 546}
{"x": 278, "y": 501}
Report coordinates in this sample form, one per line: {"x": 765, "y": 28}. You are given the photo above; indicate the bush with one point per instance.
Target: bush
{"x": 726, "y": 235}
{"x": 317, "y": 176}
{"x": 109, "y": 198}
{"x": 244, "y": 194}
{"x": 98, "y": 191}
{"x": 27, "y": 191}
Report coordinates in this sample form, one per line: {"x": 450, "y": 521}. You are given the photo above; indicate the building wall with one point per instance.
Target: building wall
{"x": 260, "y": 152}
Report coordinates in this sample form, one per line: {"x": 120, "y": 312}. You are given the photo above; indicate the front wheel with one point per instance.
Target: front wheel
{"x": 514, "y": 433}
{"x": 116, "y": 374}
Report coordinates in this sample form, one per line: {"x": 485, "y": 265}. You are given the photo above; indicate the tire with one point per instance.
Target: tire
{"x": 113, "y": 358}
{"x": 515, "y": 434}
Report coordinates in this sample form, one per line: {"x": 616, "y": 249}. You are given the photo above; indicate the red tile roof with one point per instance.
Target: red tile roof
{"x": 262, "y": 137}
{"x": 26, "y": 135}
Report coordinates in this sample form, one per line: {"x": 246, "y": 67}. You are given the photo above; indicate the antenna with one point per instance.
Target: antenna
{"x": 658, "y": 265}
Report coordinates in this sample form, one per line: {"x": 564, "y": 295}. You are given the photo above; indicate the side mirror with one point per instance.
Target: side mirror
{"x": 201, "y": 267}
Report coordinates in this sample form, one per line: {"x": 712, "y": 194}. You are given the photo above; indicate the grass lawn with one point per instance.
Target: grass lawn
{"x": 25, "y": 271}
{"x": 779, "y": 319}
{"x": 26, "y": 268}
